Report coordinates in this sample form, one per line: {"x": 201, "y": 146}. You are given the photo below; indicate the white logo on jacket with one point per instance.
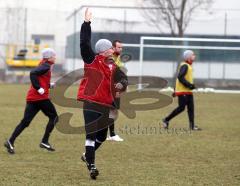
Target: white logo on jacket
{"x": 110, "y": 66}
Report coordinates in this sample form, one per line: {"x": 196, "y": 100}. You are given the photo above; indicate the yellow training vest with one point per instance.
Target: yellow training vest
{"x": 180, "y": 88}
{"x": 117, "y": 60}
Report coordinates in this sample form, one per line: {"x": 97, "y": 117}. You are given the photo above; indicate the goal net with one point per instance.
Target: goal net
{"x": 216, "y": 59}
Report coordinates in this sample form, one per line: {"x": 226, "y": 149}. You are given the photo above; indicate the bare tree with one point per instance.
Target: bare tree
{"x": 174, "y": 14}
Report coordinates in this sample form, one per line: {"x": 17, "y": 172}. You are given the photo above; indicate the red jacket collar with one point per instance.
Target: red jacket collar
{"x": 103, "y": 58}
{"x": 100, "y": 57}
{"x": 189, "y": 62}
{"x": 116, "y": 54}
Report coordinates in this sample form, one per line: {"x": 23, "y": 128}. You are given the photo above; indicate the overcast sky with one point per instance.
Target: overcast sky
{"x": 69, "y": 5}
{"x": 210, "y": 23}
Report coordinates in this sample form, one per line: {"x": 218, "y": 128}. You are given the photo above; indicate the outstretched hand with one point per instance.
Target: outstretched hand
{"x": 88, "y": 15}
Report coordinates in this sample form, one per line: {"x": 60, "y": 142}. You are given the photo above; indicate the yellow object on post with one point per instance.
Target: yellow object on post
{"x": 23, "y": 57}
{"x": 22, "y": 63}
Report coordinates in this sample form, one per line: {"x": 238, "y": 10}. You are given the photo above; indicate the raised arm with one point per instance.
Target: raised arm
{"x": 87, "y": 53}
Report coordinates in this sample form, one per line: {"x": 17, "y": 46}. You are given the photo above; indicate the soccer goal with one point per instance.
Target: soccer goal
{"x": 159, "y": 56}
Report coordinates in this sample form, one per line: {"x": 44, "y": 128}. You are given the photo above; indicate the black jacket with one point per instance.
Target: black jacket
{"x": 38, "y": 71}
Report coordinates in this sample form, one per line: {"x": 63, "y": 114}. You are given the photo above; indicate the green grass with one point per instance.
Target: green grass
{"x": 209, "y": 157}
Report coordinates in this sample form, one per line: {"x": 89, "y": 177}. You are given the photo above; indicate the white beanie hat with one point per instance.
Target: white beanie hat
{"x": 187, "y": 54}
{"x": 48, "y": 53}
{"x": 102, "y": 45}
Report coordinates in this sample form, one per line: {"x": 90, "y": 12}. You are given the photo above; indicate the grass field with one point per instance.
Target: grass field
{"x": 146, "y": 157}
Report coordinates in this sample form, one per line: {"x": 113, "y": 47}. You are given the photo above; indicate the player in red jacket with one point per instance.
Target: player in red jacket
{"x": 97, "y": 91}
{"x": 38, "y": 99}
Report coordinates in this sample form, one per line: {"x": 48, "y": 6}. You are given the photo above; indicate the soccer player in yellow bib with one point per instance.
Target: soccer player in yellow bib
{"x": 183, "y": 89}
{"x": 117, "y": 48}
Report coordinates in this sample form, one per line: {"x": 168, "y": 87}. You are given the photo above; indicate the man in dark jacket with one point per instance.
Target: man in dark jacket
{"x": 120, "y": 76}
{"x": 96, "y": 90}
{"x": 38, "y": 99}
{"x": 183, "y": 89}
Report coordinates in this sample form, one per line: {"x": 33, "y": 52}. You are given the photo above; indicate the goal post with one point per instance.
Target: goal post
{"x": 188, "y": 43}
